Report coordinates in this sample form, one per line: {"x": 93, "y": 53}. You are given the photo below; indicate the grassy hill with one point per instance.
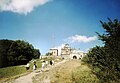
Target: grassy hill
{"x": 72, "y": 71}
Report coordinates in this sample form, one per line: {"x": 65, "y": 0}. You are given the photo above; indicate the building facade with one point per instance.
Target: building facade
{"x": 54, "y": 52}
{"x": 68, "y": 53}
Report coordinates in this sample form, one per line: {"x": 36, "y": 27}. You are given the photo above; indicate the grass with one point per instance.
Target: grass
{"x": 14, "y": 71}
{"x": 11, "y": 71}
{"x": 17, "y": 71}
{"x": 83, "y": 74}
{"x": 63, "y": 73}
{"x": 69, "y": 72}
{"x": 74, "y": 72}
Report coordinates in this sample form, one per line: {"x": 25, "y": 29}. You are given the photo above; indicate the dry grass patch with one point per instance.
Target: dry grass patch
{"x": 71, "y": 71}
{"x": 63, "y": 72}
{"x": 83, "y": 74}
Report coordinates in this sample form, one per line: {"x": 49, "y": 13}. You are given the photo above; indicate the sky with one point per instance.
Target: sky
{"x": 52, "y": 23}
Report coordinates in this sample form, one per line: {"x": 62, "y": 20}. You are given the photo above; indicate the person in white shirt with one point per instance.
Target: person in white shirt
{"x": 52, "y": 62}
{"x": 43, "y": 65}
{"x": 27, "y": 66}
{"x": 34, "y": 65}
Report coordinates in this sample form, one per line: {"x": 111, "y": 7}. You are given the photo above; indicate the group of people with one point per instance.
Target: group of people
{"x": 34, "y": 66}
{"x": 44, "y": 63}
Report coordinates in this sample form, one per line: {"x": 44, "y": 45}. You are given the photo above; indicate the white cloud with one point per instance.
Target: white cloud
{"x": 80, "y": 38}
{"x": 21, "y": 6}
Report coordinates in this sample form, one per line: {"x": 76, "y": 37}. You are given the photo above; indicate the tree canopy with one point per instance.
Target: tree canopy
{"x": 16, "y": 52}
{"x": 105, "y": 60}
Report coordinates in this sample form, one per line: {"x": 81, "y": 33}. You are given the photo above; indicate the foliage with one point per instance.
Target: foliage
{"x": 36, "y": 53}
{"x": 16, "y": 52}
{"x": 11, "y": 71}
{"x": 48, "y": 54}
{"x": 83, "y": 74}
{"x": 4, "y": 47}
{"x": 20, "y": 50}
{"x": 105, "y": 61}
{"x": 16, "y": 71}
{"x": 96, "y": 57}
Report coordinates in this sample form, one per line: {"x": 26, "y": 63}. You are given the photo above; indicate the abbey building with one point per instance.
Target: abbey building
{"x": 68, "y": 53}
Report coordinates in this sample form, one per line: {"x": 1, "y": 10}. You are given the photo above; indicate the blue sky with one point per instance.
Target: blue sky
{"x": 48, "y": 23}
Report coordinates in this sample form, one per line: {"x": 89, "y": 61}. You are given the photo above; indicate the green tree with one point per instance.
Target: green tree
{"x": 105, "y": 60}
{"x": 16, "y": 52}
{"x": 36, "y": 53}
{"x": 4, "y": 47}
{"x": 111, "y": 40}
{"x": 48, "y": 54}
{"x": 95, "y": 57}
{"x": 20, "y": 51}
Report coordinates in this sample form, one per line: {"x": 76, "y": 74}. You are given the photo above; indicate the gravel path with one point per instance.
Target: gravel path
{"x": 28, "y": 78}
{"x": 59, "y": 73}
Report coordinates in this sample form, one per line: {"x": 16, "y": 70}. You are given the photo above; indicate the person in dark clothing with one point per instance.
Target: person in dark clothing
{"x": 51, "y": 62}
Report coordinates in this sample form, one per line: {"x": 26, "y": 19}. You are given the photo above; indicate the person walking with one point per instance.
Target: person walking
{"x": 27, "y": 66}
{"x": 43, "y": 65}
{"x": 51, "y": 62}
{"x": 34, "y": 65}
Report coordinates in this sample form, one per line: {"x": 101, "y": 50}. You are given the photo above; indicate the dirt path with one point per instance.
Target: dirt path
{"x": 28, "y": 78}
{"x": 58, "y": 73}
